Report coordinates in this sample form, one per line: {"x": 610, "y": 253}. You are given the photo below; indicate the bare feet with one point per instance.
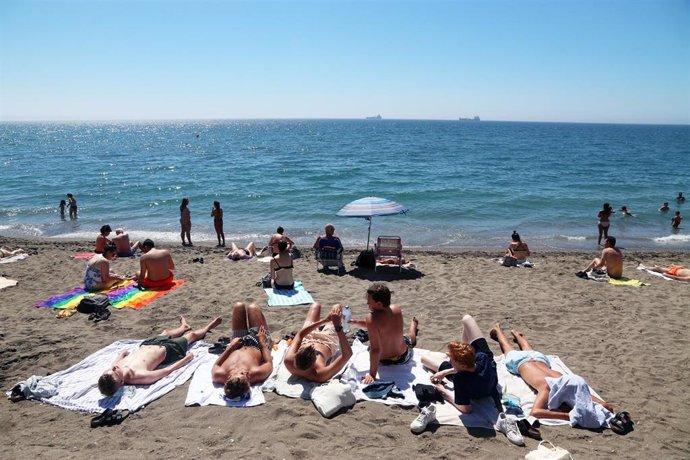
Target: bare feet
{"x": 184, "y": 324}
{"x": 516, "y": 335}
{"x": 493, "y": 333}
{"x": 414, "y": 331}
{"x": 215, "y": 323}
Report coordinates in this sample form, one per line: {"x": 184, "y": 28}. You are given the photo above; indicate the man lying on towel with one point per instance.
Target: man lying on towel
{"x": 155, "y": 267}
{"x": 247, "y": 360}
{"x": 140, "y": 367}
{"x": 535, "y": 369}
{"x": 676, "y": 272}
{"x": 319, "y": 354}
{"x": 384, "y": 324}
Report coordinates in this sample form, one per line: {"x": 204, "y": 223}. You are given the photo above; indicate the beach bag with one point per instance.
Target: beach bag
{"x": 366, "y": 259}
{"x": 544, "y": 452}
{"x": 509, "y": 261}
{"x": 93, "y": 304}
{"x": 427, "y": 394}
{"x": 266, "y": 281}
{"x": 296, "y": 253}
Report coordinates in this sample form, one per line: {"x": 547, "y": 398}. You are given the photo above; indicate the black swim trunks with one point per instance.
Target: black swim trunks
{"x": 249, "y": 337}
{"x": 405, "y": 357}
{"x": 175, "y": 348}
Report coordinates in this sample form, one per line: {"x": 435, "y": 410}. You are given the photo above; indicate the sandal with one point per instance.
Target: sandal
{"x": 621, "y": 424}
{"x": 109, "y": 417}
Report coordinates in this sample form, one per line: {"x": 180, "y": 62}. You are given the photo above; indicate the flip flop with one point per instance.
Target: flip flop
{"x": 621, "y": 424}
{"x": 109, "y": 417}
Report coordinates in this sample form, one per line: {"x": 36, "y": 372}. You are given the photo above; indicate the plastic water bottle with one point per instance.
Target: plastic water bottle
{"x": 347, "y": 316}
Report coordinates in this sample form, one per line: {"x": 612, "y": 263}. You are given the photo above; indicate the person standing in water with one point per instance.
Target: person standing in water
{"x": 185, "y": 222}
{"x": 217, "y": 214}
{"x": 72, "y": 206}
{"x": 62, "y": 206}
{"x": 604, "y": 223}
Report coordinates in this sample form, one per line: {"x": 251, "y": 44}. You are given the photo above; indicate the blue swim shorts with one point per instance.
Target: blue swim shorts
{"x": 516, "y": 358}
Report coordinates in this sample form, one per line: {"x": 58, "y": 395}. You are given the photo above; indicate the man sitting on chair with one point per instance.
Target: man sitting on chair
{"x": 330, "y": 240}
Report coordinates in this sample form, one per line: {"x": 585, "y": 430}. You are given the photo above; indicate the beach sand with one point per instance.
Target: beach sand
{"x": 631, "y": 344}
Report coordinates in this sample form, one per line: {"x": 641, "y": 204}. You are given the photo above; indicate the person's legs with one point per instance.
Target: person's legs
{"x": 179, "y": 330}
{"x": 251, "y": 249}
{"x": 432, "y": 362}
{"x": 198, "y": 334}
{"x": 256, "y": 316}
{"x": 313, "y": 315}
{"x": 239, "y": 317}
{"x": 233, "y": 247}
{"x": 498, "y": 335}
{"x": 592, "y": 264}
{"x": 659, "y": 269}
{"x": 521, "y": 340}
{"x": 470, "y": 330}
{"x": 601, "y": 232}
{"x": 412, "y": 332}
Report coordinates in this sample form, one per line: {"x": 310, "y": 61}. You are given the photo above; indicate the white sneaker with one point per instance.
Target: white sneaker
{"x": 427, "y": 415}
{"x": 508, "y": 426}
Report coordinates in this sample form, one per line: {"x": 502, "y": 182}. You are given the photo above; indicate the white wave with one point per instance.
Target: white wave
{"x": 572, "y": 238}
{"x": 670, "y": 239}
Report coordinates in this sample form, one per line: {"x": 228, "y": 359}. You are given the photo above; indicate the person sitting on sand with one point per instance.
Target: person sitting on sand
{"x": 611, "y": 260}
{"x": 665, "y": 207}
{"x": 517, "y": 249}
{"x": 241, "y": 253}
{"x": 155, "y": 267}
{"x": 675, "y": 222}
{"x": 281, "y": 268}
{"x": 98, "y": 275}
{"x": 384, "y": 323}
{"x": 675, "y": 272}
{"x": 329, "y": 240}
{"x": 626, "y": 213}
{"x": 276, "y": 238}
{"x": 102, "y": 239}
{"x": 471, "y": 368}
{"x": 140, "y": 367}
{"x": 124, "y": 248}
{"x": 535, "y": 369}
{"x": 319, "y": 354}
{"x": 247, "y": 359}
{"x": 6, "y": 252}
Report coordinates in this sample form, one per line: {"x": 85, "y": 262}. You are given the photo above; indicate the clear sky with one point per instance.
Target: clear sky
{"x": 622, "y": 61}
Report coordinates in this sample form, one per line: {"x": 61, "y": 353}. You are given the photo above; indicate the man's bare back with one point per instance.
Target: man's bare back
{"x": 612, "y": 259}
{"x": 156, "y": 264}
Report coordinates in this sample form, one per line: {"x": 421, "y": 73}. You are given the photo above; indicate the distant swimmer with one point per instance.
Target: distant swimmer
{"x": 680, "y": 198}
{"x": 626, "y": 213}
{"x": 665, "y": 207}
{"x": 675, "y": 222}
{"x": 604, "y": 223}
{"x": 197, "y": 135}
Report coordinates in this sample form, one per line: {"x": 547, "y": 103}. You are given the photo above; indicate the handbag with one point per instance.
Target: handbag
{"x": 544, "y": 452}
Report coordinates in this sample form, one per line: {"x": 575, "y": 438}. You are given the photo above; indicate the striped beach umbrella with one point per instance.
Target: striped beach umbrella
{"x": 369, "y": 207}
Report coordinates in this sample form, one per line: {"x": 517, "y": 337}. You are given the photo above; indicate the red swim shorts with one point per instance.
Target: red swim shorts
{"x": 674, "y": 270}
{"x": 167, "y": 282}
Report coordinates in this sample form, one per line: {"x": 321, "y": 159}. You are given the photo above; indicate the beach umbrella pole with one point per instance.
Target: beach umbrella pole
{"x": 368, "y": 234}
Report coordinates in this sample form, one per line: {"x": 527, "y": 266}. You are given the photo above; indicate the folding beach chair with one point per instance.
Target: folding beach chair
{"x": 388, "y": 248}
{"x": 330, "y": 256}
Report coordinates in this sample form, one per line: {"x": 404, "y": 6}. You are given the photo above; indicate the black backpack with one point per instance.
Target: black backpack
{"x": 93, "y": 304}
{"x": 366, "y": 259}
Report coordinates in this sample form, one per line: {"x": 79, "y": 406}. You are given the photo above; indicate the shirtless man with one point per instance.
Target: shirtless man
{"x": 155, "y": 267}
{"x": 276, "y": 238}
{"x": 384, "y": 322}
{"x": 665, "y": 207}
{"x": 102, "y": 239}
{"x": 319, "y": 354}
{"x": 241, "y": 253}
{"x": 611, "y": 259}
{"x": 534, "y": 367}
{"x": 124, "y": 248}
{"x": 140, "y": 367}
{"x": 675, "y": 272}
{"x": 677, "y": 218}
{"x": 247, "y": 360}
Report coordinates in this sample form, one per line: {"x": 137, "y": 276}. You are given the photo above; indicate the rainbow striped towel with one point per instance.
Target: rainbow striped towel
{"x": 123, "y": 295}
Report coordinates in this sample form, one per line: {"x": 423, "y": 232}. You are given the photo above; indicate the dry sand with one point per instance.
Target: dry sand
{"x": 631, "y": 344}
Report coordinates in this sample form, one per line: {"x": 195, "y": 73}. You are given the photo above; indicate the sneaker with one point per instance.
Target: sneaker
{"x": 508, "y": 426}
{"x": 427, "y": 415}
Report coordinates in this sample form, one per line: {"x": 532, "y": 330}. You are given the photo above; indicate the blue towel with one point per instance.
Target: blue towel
{"x": 296, "y": 296}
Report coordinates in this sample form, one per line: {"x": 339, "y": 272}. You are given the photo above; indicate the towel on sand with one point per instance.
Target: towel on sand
{"x": 123, "y": 295}
{"x": 9, "y": 260}
{"x": 6, "y": 282}
{"x": 296, "y": 296}
{"x": 652, "y": 272}
{"x": 78, "y": 385}
{"x": 83, "y": 255}
{"x": 203, "y": 392}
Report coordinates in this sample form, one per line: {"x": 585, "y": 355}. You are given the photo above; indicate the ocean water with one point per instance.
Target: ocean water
{"x": 467, "y": 184}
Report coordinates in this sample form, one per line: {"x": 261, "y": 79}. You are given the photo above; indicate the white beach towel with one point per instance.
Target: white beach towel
{"x": 296, "y": 296}
{"x": 9, "y": 260}
{"x": 6, "y": 282}
{"x": 203, "y": 392}
{"x": 651, "y": 272}
{"x": 78, "y": 385}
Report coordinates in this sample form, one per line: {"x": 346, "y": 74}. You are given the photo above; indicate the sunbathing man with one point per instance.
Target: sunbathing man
{"x": 675, "y": 272}
{"x": 319, "y": 354}
{"x": 155, "y": 267}
{"x": 140, "y": 367}
{"x": 241, "y": 253}
{"x": 611, "y": 259}
{"x": 535, "y": 369}
{"x": 384, "y": 323}
{"x": 124, "y": 248}
{"x": 247, "y": 360}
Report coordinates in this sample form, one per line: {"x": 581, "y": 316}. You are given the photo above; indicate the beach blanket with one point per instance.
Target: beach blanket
{"x": 83, "y": 255}
{"x": 77, "y": 387}
{"x": 525, "y": 264}
{"x": 9, "y": 260}
{"x": 623, "y": 281}
{"x": 296, "y": 296}
{"x": 652, "y": 272}
{"x": 203, "y": 392}
{"x": 6, "y": 282}
{"x": 123, "y": 295}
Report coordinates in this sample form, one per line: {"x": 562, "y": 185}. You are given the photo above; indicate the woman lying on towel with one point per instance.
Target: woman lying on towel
{"x": 98, "y": 275}
{"x": 5, "y": 252}
{"x": 675, "y": 272}
{"x": 237, "y": 253}
{"x": 561, "y": 397}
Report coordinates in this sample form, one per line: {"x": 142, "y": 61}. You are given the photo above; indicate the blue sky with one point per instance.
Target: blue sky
{"x": 542, "y": 60}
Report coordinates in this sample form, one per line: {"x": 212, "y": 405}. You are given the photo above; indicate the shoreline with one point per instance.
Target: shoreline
{"x": 606, "y": 333}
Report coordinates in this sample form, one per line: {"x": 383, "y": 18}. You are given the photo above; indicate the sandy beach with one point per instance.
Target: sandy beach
{"x": 631, "y": 344}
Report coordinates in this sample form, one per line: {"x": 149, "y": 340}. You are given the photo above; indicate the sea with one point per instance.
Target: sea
{"x": 467, "y": 184}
